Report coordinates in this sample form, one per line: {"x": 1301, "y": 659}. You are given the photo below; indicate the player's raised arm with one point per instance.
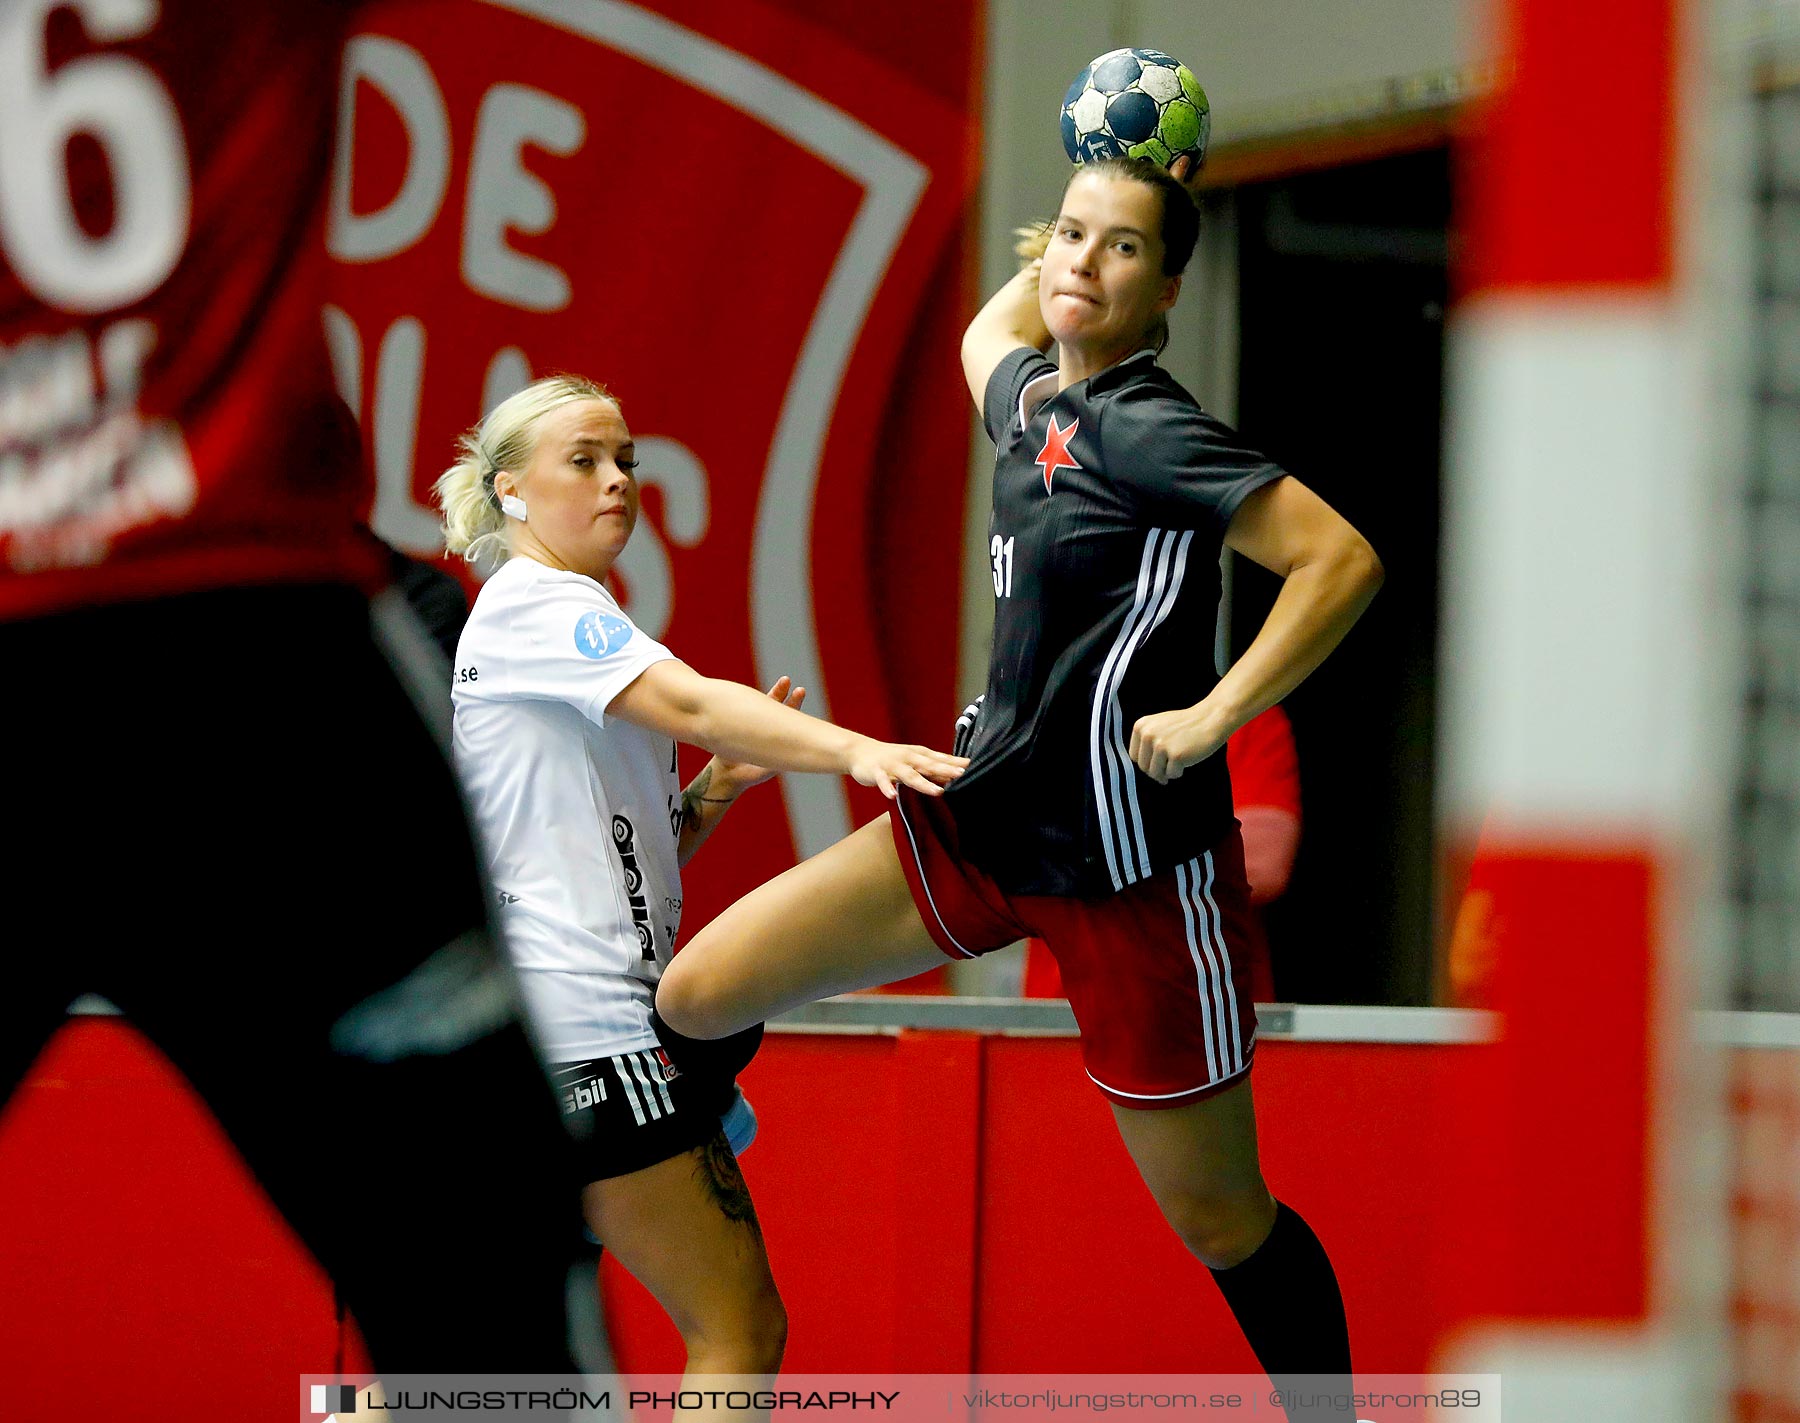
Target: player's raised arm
{"x": 1011, "y": 319}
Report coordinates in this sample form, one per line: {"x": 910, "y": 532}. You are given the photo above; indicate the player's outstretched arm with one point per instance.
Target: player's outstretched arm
{"x": 1011, "y": 319}
{"x": 740, "y": 724}
{"x": 720, "y": 782}
{"x": 1329, "y": 575}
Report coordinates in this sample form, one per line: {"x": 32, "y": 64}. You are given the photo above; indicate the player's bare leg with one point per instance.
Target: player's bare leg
{"x": 1200, "y": 1164}
{"x": 842, "y": 920}
{"x": 687, "y": 1231}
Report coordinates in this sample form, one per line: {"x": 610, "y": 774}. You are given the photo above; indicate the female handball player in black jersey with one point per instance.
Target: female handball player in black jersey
{"x": 567, "y": 717}
{"x": 1095, "y": 814}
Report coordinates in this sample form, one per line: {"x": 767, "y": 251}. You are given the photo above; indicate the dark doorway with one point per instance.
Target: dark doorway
{"x": 1343, "y": 286}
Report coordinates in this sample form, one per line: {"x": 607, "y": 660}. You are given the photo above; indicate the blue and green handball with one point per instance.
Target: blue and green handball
{"x": 1136, "y": 103}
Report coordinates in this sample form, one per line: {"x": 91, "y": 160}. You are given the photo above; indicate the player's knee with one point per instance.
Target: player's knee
{"x": 1221, "y": 1229}
{"x": 768, "y": 1337}
{"x": 691, "y": 1005}
{"x": 749, "y": 1340}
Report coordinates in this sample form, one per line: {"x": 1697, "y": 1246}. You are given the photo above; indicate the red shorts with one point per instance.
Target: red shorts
{"x": 1157, "y": 974}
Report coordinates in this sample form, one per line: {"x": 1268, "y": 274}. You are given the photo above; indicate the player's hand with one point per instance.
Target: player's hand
{"x": 882, "y": 763}
{"x": 1165, "y": 744}
{"x": 733, "y": 778}
{"x": 1185, "y": 170}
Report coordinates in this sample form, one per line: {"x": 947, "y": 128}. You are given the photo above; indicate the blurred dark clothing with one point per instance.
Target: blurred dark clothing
{"x": 434, "y": 596}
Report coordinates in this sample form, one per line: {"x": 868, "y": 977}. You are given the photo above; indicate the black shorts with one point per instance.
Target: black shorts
{"x": 636, "y": 1109}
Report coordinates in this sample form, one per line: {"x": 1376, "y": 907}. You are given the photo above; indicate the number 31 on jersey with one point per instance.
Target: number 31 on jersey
{"x": 1001, "y": 551}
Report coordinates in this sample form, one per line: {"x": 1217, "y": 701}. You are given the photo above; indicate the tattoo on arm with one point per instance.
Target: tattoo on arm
{"x": 693, "y": 795}
{"x": 724, "y": 1182}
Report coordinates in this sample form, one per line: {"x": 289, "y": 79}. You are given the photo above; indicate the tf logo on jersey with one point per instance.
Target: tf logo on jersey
{"x": 669, "y": 1070}
{"x": 1055, "y": 454}
{"x": 597, "y": 634}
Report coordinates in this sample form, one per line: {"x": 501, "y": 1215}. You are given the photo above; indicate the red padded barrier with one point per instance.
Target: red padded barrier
{"x": 141, "y": 1261}
{"x": 931, "y": 1201}
{"x": 1074, "y": 1269}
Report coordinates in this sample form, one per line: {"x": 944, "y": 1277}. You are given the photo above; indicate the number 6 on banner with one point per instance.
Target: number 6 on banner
{"x": 123, "y": 105}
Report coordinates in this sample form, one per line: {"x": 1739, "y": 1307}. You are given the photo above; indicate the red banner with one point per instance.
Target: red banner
{"x": 748, "y": 224}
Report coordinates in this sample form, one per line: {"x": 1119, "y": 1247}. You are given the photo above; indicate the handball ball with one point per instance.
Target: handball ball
{"x": 1136, "y": 103}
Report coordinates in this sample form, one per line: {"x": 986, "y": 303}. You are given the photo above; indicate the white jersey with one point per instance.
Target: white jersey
{"x": 578, "y": 812}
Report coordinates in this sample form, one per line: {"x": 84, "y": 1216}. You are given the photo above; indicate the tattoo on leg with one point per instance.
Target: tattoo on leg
{"x": 718, "y": 1172}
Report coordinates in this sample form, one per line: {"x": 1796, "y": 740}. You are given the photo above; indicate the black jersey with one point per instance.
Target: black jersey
{"x": 1111, "y": 501}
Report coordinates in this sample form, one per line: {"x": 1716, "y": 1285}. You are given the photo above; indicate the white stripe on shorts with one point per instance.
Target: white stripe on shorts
{"x": 631, "y": 1093}
{"x": 913, "y": 840}
{"x": 655, "y": 1071}
{"x": 1225, "y": 1056}
{"x": 1161, "y": 1096}
{"x": 1202, "y": 970}
{"x": 637, "y": 1068}
{"x": 1218, "y": 996}
{"x": 1229, "y": 1007}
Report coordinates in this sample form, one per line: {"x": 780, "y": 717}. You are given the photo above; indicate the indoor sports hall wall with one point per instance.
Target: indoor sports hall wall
{"x": 934, "y": 1201}
{"x": 749, "y": 225}
{"x": 765, "y": 230}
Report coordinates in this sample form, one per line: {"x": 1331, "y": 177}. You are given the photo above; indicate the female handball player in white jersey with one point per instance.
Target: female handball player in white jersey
{"x": 567, "y": 719}
{"x": 1095, "y": 814}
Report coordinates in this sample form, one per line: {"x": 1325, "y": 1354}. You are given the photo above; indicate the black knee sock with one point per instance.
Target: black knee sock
{"x": 1287, "y": 1302}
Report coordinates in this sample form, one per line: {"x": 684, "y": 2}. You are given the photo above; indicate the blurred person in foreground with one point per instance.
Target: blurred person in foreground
{"x": 240, "y": 833}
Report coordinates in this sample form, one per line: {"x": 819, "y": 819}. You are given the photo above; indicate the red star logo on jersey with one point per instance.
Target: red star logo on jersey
{"x": 1055, "y": 454}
